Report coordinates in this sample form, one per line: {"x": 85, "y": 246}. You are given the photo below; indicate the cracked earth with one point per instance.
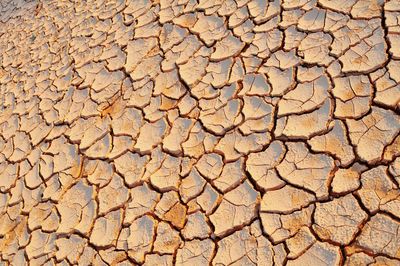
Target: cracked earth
{"x": 200, "y": 132}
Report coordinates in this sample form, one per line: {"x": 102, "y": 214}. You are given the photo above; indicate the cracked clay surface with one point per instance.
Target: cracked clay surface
{"x": 200, "y": 132}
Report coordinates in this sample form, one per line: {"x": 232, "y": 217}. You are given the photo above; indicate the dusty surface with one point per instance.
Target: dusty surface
{"x": 196, "y": 132}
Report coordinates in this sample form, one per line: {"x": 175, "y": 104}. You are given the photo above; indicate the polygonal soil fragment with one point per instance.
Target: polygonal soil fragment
{"x": 352, "y": 95}
{"x": 195, "y": 252}
{"x": 304, "y": 126}
{"x": 261, "y": 166}
{"x": 77, "y": 209}
{"x": 237, "y": 208}
{"x": 41, "y": 244}
{"x": 247, "y": 247}
{"x": 381, "y": 235}
{"x": 106, "y": 229}
{"x": 373, "y": 132}
{"x": 339, "y": 220}
{"x": 367, "y": 55}
{"x": 231, "y": 176}
{"x": 114, "y": 195}
{"x": 335, "y": 142}
{"x": 138, "y": 238}
{"x": 286, "y": 200}
{"x": 167, "y": 239}
{"x": 300, "y": 243}
{"x": 210, "y": 28}
{"x": 324, "y": 253}
{"x": 311, "y": 171}
{"x": 196, "y": 226}
{"x": 347, "y": 180}
{"x": 209, "y": 132}
{"x": 284, "y": 226}
{"x": 131, "y": 166}
{"x": 221, "y": 120}
{"x": 305, "y": 97}
{"x": 379, "y": 192}
{"x": 387, "y": 85}
{"x": 151, "y": 134}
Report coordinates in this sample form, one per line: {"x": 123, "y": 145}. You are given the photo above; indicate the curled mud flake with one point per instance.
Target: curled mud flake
{"x": 305, "y": 97}
{"x": 151, "y": 134}
{"x": 112, "y": 196}
{"x": 218, "y": 73}
{"x": 300, "y": 243}
{"x": 41, "y": 244}
{"x": 315, "y": 48}
{"x": 9, "y": 175}
{"x": 132, "y": 167}
{"x": 192, "y": 185}
{"x": 231, "y": 176}
{"x": 155, "y": 259}
{"x": 227, "y": 47}
{"x": 394, "y": 169}
{"x": 394, "y": 41}
{"x": 313, "y": 20}
{"x": 367, "y": 9}
{"x": 193, "y": 70}
{"x": 196, "y": 227}
{"x": 223, "y": 119}
{"x": 70, "y": 248}
{"x": 362, "y": 258}
{"x": 137, "y": 50}
{"x": 166, "y": 177}
{"x": 127, "y": 123}
{"x": 387, "y": 86}
{"x": 341, "y": 6}
{"x": 210, "y": 165}
{"x": 43, "y": 216}
{"x": 178, "y": 134}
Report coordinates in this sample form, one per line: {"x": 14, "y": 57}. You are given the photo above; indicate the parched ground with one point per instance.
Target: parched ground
{"x": 200, "y": 132}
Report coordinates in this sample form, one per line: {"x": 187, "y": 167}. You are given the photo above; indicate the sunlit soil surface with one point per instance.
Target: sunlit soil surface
{"x": 209, "y": 132}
